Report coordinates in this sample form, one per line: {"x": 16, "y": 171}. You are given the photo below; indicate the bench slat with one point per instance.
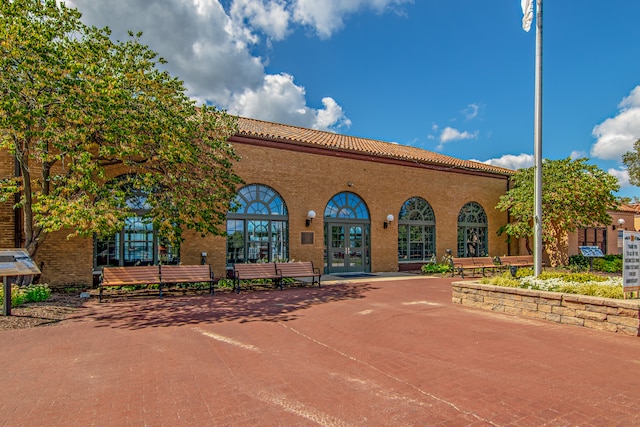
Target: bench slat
{"x": 185, "y": 273}
{"x": 142, "y": 275}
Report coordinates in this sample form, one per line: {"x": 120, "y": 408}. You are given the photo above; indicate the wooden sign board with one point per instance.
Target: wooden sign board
{"x": 16, "y": 262}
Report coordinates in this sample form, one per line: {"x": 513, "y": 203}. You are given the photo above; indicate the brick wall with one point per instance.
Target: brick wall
{"x": 308, "y": 181}
{"x": 7, "y": 233}
{"x": 604, "y": 314}
{"x": 65, "y": 261}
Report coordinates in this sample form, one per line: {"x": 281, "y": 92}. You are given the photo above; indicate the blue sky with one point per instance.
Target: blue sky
{"x": 452, "y": 76}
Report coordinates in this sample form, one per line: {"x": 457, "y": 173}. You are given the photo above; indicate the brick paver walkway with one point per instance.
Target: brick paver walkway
{"x": 387, "y": 353}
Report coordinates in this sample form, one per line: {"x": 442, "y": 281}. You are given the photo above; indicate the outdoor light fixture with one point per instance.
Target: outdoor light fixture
{"x": 388, "y": 221}
{"x": 621, "y": 222}
{"x": 310, "y": 216}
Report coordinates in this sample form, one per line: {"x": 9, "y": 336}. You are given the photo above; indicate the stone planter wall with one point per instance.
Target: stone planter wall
{"x": 613, "y": 315}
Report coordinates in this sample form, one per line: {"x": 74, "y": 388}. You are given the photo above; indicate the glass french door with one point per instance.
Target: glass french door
{"x": 347, "y": 248}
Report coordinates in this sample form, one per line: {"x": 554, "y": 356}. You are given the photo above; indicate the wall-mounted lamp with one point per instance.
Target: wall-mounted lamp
{"x": 388, "y": 221}
{"x": 310, "y": 216}
{"x": 621, "y": 222}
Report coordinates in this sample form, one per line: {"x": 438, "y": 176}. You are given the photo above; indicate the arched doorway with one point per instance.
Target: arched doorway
{"x": 347, "y": 229}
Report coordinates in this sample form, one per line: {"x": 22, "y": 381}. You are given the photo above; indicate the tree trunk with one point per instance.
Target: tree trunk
{"x": 558, "y": 248}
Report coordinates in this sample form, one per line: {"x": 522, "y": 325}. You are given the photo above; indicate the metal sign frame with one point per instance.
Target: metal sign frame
{"x": 14, "y": 262}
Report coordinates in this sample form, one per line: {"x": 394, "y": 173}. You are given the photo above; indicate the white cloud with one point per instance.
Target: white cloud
{"x": 211, "y": 49}
{"x": 450, "y": 134}
{"x": 510, "y": 161}
{"x": 271, "y": 17}
{"x": 203, "y": 46}
{"x": 331, "y": 116}
{"x": 471, "y": 112}
{"x": 622, "y": 175}
{"x": 616, "y": 135}
{"x": 575, "y": 154}
{"x": 327, "y": 16}
{"x": 280, "y": 100}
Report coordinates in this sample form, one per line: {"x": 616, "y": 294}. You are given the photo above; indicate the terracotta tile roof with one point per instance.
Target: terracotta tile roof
{"x": 286, "y": 133}
{"x": 634, "y": 207}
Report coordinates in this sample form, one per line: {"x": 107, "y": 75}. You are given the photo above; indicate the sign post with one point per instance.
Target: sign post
{"x": 630, "y": 262}
{"x": 14, "y": 262}
{"x": 7, "y": 297}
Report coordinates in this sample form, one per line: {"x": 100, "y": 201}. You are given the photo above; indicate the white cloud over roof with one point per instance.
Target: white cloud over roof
{"x": 511, "y": 161}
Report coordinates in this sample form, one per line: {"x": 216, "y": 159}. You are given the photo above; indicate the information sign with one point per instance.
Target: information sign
{"x": 631, "y": 261}
{"x": 591, "y": 251}
{"x": 14, "y": 262}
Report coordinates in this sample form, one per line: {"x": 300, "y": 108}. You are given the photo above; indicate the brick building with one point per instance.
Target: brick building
{"x": 348, "y": 204}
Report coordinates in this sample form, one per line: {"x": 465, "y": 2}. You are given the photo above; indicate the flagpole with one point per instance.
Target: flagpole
{"x": 537, "y": 218}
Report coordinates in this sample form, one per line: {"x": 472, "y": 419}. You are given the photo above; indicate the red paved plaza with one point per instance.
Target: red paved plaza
{"x": 376, "y": 352}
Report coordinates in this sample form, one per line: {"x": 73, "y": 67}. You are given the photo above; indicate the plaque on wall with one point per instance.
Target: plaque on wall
{"x": 307, "y": 237}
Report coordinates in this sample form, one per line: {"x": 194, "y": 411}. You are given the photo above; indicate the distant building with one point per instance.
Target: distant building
{"x": 608, "y": 237}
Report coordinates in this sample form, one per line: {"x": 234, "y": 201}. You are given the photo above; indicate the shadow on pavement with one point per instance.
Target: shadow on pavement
{"x": 272, "y": 305}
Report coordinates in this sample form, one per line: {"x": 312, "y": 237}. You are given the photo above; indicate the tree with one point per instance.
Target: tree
{"x": 632, "y": 160}
{"x": 78, "y": 109}
{"x": 574, "y": 194}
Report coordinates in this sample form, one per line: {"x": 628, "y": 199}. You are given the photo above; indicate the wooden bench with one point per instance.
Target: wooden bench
{"x": 130, "y": 276}
{"x": 299, "y": 270}
{"x": 178, "y": 274}
{"x": 517, "y": 260}
{"x": 475, "y": 264}
{"x": 459, "y": 265}
{"x": 256, "y": 271}
{"x": 486, "y": 263}
{"x": 160, "y": 275}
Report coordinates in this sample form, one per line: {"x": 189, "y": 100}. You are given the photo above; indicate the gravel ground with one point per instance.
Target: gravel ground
{"x": 58, "y": 307}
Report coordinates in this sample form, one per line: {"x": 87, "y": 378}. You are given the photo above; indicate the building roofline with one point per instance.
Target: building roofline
{"x": 322, "y": 142}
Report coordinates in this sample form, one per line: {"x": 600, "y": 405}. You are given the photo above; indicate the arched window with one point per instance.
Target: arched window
{"x": 346, "y": 206}
{"x": 257, "y": 226}
{"x": 138, "y": 243}
{"x": 416, "y": 231}
{"x": 472, "y": 231}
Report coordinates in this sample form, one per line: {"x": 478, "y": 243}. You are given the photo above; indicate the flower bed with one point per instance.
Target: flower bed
{"x": 607, "y": 314}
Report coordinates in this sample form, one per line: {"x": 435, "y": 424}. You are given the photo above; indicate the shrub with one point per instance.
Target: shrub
{"x": 505, "y": 280}
{"x": 579, "y": 262}
{"x": 25, "y": 294}
{"x": 593, "y": 289}
{"x": 225, "y": 284}
{"x": 608, "y": 264}
{"x": 37, "y": 293}
{"x": 435, "y": 268}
